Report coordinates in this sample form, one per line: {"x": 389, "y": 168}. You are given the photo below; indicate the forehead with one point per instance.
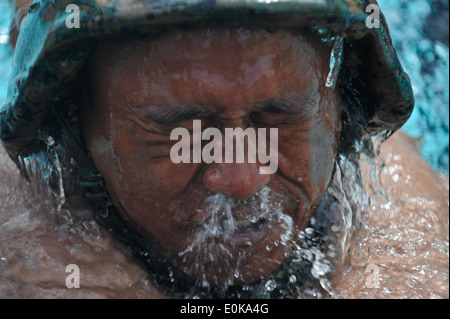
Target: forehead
{"x": 225, "y": 63}
{"x": 199, "y": 44}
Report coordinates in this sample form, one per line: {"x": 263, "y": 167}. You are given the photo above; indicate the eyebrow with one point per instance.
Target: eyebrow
{"x": 164, "y": 114}
{"x": 294, "y": 104}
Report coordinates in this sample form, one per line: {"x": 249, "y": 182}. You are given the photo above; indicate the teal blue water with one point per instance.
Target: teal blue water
{"x": 427, "y": 63}
{"x": 5, "y": 51}
{"x": 424, "y": 59}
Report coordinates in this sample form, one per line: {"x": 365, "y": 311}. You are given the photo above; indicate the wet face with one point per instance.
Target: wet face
{"x": 219, "y": 222}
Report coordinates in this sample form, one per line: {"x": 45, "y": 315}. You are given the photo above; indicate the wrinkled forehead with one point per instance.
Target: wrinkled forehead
{"x": 218, "y": 49}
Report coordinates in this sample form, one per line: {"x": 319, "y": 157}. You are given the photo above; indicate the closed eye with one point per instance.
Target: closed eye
{"x": 294, "y": 109}
{"x": 177, "y": 115}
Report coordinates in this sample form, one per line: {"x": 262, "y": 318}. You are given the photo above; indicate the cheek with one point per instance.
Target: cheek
{"x": 148, "y": 170}
{"x": 307, "y": 159}
{"x": 148, "y": 186}
{"x": 323, "y": 153}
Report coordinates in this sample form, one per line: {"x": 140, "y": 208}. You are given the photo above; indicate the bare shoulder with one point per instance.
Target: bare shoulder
{"x": 418, "y": 177}
{"x": 401, "y": 251}
{"x": 37, "y": 245}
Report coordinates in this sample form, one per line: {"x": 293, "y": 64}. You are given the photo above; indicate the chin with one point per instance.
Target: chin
{"x": 217, "y": 262}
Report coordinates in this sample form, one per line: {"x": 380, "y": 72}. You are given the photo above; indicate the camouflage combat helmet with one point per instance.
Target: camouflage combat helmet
{"x": 49, "y": 56}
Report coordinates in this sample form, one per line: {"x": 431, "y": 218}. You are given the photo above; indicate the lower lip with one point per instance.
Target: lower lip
{"x": 249, "y": 235}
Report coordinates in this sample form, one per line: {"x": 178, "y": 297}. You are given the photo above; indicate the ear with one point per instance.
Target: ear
{"x": 21, "y": 10}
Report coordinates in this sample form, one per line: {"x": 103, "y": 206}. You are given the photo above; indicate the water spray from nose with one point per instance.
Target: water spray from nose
{"x": 229, "y": 223}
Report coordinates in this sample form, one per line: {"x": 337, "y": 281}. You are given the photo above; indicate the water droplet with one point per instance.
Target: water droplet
{"x": 335, "y": 62}
{"x": 3, "y": 262}
{"x": 88, "y": 225}
{"x": 292, "y": 279}
{"x": 98, "y": 250}
{"x": 270, "y": 285}
{"x": 269, "y": 248}
{"x": 285, "y": 238}
{"x": 50, "y": 141}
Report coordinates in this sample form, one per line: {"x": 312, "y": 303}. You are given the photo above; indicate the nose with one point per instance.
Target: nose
{"x": 239, "y": 180}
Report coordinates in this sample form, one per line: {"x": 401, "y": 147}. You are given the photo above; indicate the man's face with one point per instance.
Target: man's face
{"x": 219, "y": 222}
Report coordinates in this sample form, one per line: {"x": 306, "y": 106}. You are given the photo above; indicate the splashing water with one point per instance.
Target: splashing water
{"x": 219, "y": 223}
{"x": 312, "y": 255}
{"x": 44, "y": 172}
{"x": 324, "y": 244}
{"x": 403, "y": 234}
{"x": 335, "y": 62}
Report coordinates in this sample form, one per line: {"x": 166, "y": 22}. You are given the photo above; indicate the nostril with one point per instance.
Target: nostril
{"x": 239, "y": 181}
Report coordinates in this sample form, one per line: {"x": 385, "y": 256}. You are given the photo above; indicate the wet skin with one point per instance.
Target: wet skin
{"x": 140, "y": 90}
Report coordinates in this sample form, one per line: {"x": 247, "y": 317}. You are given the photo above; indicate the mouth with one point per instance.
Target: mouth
{"x": 245, "y": 232}
{"x": 233, "y": 232}
{"x": 230, "y": 223}
{"x": 227, "y": 240}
